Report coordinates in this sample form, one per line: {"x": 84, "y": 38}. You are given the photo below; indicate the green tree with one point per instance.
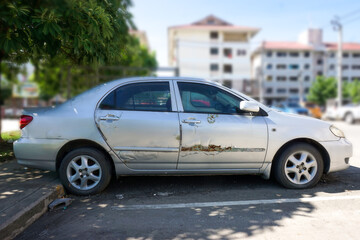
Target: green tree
{"x": 353, "y": 90}
{"x": 322, "y": 89}
{"x": 81, "y": 31}
{"x": 52, "y": 74}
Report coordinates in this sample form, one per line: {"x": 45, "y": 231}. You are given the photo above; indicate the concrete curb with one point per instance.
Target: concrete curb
{"x": 24, "y": 217}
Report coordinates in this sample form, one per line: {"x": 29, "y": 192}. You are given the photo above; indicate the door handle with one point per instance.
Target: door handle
{"x": 191, "y": 121}
{"x": 110, "y": 117}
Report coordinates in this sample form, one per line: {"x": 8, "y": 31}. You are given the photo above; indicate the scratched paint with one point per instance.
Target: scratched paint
{"x": 218, "y": 149}
{"x": 212, "y": 118}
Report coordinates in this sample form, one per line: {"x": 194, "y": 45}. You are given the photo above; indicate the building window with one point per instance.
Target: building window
{"x": 281, "y": 90}
{"x": 345, "y": 67}
{"x": 214, "y": 67}
{"x": 269, "y": 90}
{"x": 356, "y": 55}
{"x": 307, "y": 78}
{"x": 345, "y": 55}
{"x": 293, "y": 90}
{"x": 294, "y": 54}
{"x": 281, "y": 78}
{"x": 227, "y": 68}
{"x": 332, "y": 55}
{"x": 307, "y": 66}
{"x": 214, "y": 51}
{"x": 269, "y": 53}
{"x": 269, "y": 78}
{"x": 355, "y": 78}
{"x": 345, "y": 79}
{"x": 331, "y": 67}
{"x": 293, "y": 78}
{"x": 281, "y": 66}
{"x": 227, "y": 83}
{"x": 319, "y": 73}
{"x": 214, "y": 35}
{"x": 319, "y": 62}
{"x": 306, "y": 90}
{"x": 293, "y": 66}
{"x": 241, "y": 52}
{"x": 269, "y": 66}
{"x": 355, "y": 67}
{"x": 281, "y": 54}
{"x": 228, "y": 52}
{"x": 306, "y": 54}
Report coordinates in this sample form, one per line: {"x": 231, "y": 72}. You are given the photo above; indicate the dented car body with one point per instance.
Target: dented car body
{"x": 159, "y": 126}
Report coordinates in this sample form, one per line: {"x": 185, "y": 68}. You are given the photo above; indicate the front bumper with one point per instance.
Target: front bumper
{"x": 339, "y": 152}
{"x": 38, "y": 153}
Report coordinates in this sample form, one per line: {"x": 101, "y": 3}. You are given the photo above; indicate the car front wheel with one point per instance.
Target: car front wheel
{"x": 85, "y": 171}
{"x": 299, "y": 166}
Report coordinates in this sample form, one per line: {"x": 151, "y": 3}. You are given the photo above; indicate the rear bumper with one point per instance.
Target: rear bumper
{"x": 38, "y": 153}
{"x": 339, "y": 152}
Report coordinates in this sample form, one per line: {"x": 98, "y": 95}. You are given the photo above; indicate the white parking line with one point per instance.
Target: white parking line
{"x": 232, "y": 203}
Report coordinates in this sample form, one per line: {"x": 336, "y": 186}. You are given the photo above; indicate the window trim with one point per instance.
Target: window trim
{"x": 174, "y": 106}
{"x": 262, "y": 112}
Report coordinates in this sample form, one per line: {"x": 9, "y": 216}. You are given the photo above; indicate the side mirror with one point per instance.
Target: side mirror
{"x": 249, "y": 106}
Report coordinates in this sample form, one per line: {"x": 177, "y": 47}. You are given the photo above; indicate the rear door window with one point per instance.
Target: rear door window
{"x": 154, "y": 96}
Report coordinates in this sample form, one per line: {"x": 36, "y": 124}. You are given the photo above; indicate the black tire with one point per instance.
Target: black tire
{"x": 284, "y": 178}
{"x": 103, "y": 174}
{"x": 349, "y": 118}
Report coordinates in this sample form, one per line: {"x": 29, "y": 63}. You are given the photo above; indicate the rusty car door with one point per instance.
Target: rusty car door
{"x": 141, "y": 125}
{"x": 216, "y": 134}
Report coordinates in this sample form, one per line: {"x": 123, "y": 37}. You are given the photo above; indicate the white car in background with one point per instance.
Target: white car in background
{"x": 350, "y": 113}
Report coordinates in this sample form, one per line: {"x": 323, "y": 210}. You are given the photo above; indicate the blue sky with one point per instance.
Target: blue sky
{"x": 279, "y": 20}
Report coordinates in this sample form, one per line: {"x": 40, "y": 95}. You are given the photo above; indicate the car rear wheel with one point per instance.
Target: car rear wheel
{"x": 299, "y": 166}
{"x": 85, "y": 171}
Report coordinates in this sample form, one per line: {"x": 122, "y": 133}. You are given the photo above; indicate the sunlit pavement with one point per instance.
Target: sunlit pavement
{"x": 213, "y": 207}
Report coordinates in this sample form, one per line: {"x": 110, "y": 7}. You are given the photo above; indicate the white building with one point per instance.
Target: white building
{"x": 213, "y": 49}
{"x": 288, "y": 69}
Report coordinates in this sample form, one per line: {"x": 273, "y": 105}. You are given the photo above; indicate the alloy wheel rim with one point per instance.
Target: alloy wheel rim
{"x": 84, "y": 172}
{"x": 300, "y": 167}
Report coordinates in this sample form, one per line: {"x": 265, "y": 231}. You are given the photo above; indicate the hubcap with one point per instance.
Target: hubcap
{"x": 301, "y": 167}
{"x": 83, "y": 172}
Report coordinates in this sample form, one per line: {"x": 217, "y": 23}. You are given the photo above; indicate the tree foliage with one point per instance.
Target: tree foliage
{"x": 353, "y": 90}
{"x": 322, "y": 89}
{"x": 52, "y": 74}
{"x": 326, "y": 88}
{"x": 83, "y": 31}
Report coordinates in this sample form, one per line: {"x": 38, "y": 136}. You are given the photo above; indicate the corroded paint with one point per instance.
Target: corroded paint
{"x": 218, "y": 148}
{"x": 212, "y": 118}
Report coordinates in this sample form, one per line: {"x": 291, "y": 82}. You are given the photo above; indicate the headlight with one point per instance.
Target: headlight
{"x": 337, "y": 132}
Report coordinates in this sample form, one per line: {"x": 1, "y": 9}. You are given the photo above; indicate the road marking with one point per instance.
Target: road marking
{"x": 232, "y": 203}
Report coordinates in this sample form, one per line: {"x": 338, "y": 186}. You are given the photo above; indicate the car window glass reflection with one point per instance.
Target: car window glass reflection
{"x": 201, "y": 98}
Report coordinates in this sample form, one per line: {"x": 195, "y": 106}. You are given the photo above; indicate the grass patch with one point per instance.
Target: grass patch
{"x": 13, "y": 135}
{"x": 6, "y": 147}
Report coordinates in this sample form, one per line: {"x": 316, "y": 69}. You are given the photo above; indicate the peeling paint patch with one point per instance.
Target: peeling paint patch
{"x": 218, "y": 148}
{"x": 133, "y": 156}
{"x": 212, "y": 118}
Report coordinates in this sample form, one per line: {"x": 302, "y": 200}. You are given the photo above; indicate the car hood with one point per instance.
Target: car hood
{"x": 299, "y": 126}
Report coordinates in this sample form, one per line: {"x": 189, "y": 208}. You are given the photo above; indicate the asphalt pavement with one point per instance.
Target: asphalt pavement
{"x": 213, "y": 207}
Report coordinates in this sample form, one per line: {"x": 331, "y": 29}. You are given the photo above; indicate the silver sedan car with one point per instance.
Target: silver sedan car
{"x": 175, "y": 126}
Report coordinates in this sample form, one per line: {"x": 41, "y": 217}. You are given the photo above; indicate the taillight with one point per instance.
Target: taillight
{"x": 25, "y": 120}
